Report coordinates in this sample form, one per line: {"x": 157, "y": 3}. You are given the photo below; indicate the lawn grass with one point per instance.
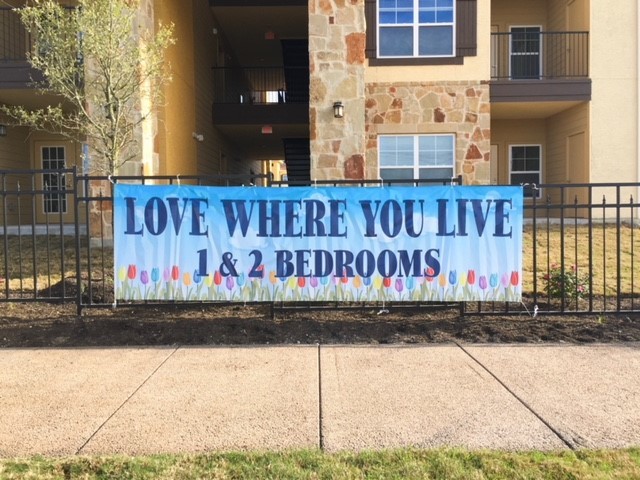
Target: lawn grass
{"x": 448, "y": 464}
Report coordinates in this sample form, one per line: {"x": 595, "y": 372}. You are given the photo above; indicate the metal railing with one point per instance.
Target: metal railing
{"x": 531, "y": 54}
{"x": 261, "y": 85}
{"x": 580, "y": 242}
{"x": 15, "y": 40}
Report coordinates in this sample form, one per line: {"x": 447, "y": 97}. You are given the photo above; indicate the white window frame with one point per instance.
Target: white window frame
{"x": 415, "y": 25}
{"x": 416, "y": 156}
{"x": 511, "y": 53}
{"x": 511, "y": 171}
{"x": 47, "y": 198}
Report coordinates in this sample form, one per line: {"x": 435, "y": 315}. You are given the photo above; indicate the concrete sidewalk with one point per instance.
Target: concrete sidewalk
{"x": 194, "y": 399}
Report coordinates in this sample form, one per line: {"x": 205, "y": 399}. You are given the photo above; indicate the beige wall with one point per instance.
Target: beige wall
{"x": 474, "y": 68}
{"x": 506, "y": 13}
{"x": 517, "y": 132}
{"x": 572, "y": 123}
{"x": 614, "y": 105}
{"x": 175, "y": 142}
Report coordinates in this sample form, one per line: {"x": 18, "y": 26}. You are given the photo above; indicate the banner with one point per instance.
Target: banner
{"x": 249, "y": 244}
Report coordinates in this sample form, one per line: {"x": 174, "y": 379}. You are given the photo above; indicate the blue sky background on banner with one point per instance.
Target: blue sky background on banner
{"x": 169, "y": 265}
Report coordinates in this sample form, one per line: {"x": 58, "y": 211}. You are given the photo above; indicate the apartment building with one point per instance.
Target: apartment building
{"x": 496, "y": 91}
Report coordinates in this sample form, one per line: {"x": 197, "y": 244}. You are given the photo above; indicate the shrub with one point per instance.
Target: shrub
{"x": 575, "y": 283}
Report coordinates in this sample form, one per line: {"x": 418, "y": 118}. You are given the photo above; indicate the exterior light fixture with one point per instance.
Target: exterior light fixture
{"x": 338, "y": 110}
{"x": 267, "y": 130}
{"x": 3, "y": 130}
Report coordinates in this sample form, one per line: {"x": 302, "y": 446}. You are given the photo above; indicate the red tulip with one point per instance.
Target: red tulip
{"x": 217, "y": 278}
{"x": 175, "y": 272}
{"x": 515, "y": 278}
{"x": 302, "y": 282}
{"x": 471, "y": 277}
{"x": 386, "y": 282}
{"x": 132, "y": 272}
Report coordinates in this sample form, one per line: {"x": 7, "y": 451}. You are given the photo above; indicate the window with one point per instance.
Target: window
{"x": 525, "y": 165}
{"x": 525, "y": 48}
{"x": 410, "y": 157}
{"x": 420, "y": 32}
{"x": 53, "y": 158}
{"x": 416, "y": 28}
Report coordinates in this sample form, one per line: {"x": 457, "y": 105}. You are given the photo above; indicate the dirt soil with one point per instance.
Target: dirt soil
{"x": 55, "y": 325}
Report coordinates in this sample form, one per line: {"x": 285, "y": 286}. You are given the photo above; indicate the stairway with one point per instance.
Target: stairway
{"x": 295, "y": 59}
{"x": 297, "y": 156}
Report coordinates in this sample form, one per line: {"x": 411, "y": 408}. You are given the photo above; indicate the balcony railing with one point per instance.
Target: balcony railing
{"x": 526, "y": 53}
{"x": 261, "y": 85}
{"x": 15, "y": 40}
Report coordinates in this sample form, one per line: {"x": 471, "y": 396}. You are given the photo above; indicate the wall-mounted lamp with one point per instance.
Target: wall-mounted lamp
{"x": 338, "y": 110}
{"x": 198, "y": 136}
{"x": 3, "y": 130}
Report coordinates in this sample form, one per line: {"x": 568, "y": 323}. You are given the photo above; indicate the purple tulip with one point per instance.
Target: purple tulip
{"x": 505, "y": 280}
{"x": 399, "y": 286}
{"x": 144, "y": 277}
{"x": 313, "y": 281}
{"x": 166, "y": 274}
{"x": 482, "y": 282}
{"x": 230, "y": 283}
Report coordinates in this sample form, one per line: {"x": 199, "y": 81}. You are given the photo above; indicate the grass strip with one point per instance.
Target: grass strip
{"x": 313, "y": 464}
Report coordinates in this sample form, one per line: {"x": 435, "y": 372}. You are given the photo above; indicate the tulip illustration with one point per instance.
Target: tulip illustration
{"x": 144, "y": 277}
{"x": 399, "y": 285}
{"x": 386, "y": 281}
{"x": 208, "y": 280}
{"x": 504, "y": 279}
{"x": 197, "y": 278}
{"x": 493, "y": 280}
{"x": 429, "y": 274}
{"x": 260, "y": 271}
{"x": 366, "y": 281}
{"x": 229, "y": 283}
{"x": 272, "y": 277}
{"x": 442, "y": 280}
{"x": 175, "y": 273}
{"x": 217, "y": 278}
{"x": 132, "y": 271}
{"x": 482, "y": 282}
{"x": 410, "y": 283}
{"x": 357, "y": 281}
{"x": 122, "y": 274}
{"x": 155, "y": 274}
{"x": 302, "y": 281}
{"x": 186, "y": 279}
{"x": 291, "y": 283}
{"x": 515, "y": 279}
{"x": 166, "y": 274}
{"x": 241, "y": 280}
{"x": 453, "y": 277}
{"x": 463, "y": 280}
{"x": 377, "y": 282}
{"x": 313, "y": 282}
{"x": 324, "y": 280}
{"x": 471, "y": 277}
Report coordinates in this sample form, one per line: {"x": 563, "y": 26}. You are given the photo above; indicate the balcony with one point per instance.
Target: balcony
{"x": 529, "y": 65}
{"x": 261, "y": 95}
{"x": 15, "y": 42}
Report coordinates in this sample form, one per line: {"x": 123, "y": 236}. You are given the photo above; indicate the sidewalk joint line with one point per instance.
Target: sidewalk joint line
{"x": 515, "y": 395}
{"x": 320, "y": 434}
{"x": 127, "y": 399}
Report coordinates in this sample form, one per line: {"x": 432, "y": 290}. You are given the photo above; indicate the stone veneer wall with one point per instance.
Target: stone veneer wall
{"x": 444, "y": 107}
{"x": 336, "y": 61}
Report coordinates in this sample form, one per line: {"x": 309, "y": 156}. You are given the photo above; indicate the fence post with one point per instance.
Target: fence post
{"x": 76, "y": 220}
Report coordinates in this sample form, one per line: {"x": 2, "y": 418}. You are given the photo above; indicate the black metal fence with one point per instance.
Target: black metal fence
{"x": 527, "y": 53}
{"x": 579, "y": 252}
{"x": 261, "y": 85}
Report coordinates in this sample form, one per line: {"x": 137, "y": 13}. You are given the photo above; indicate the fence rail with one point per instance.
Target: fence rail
{"x": 580, "y": 252}
{"x": 526, "y": 53}
{"x": 261, "y": 85}
{"x": 15, "y": 40}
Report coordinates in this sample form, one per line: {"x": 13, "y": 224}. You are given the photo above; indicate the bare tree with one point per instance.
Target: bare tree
{"x": 107, "y": 71}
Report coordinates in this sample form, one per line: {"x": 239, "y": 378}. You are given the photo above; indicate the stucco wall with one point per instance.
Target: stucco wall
{"x": 614, "y": 105}
{"x": 517, "y": 132}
